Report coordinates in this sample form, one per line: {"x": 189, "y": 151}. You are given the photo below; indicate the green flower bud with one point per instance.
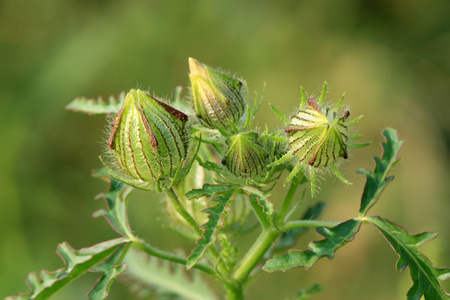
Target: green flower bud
{"x": 245, "y": 156}
{"x": 317, "y": 135}
{"x": 148, "y": 144}
{"x": 216, "y": 97}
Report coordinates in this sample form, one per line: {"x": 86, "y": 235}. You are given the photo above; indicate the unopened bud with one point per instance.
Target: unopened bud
{"x": 216, "y": 96}
{"x": 245, "y": 157}
{"x": 148, "y": 144}
{"x": 317, "y": 135}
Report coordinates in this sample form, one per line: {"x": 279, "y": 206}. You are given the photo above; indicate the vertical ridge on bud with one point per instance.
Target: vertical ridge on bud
{"x": 245, "y": 157}
{"x": 216, "y": 96}
{"x": 318, "y": 137}
{"x": 149, "y": 142}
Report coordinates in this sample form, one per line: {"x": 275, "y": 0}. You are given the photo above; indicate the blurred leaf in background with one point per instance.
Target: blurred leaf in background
{"x": 391, "y": 59}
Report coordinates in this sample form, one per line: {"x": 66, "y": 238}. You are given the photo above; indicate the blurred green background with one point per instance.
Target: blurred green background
{"x": 391, "y": 58}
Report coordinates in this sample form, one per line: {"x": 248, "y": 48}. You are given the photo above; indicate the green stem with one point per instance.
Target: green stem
{"x": 255, "y": 253}
{"x": 170, "y": 257}
{"x": 179, "y": 208}
{"x": 234, "y": 292}
{"x": 287, "y": 201}
{"x": 307, "y": 224}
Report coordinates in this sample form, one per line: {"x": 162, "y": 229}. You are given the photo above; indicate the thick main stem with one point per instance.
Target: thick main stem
{"x": 255, "y": 253}
{"x": 234, "y": 292}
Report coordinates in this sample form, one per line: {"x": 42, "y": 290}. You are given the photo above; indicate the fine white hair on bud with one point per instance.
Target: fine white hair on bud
{"x": 148, "y": 143}
{"x": 245, "y": 157}
{"x": 216, "y": 96}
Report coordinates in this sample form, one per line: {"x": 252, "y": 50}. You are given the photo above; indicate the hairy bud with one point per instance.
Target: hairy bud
{"x": 148, "y": 144}
{"x": 318, "y": 136}
{"x": 245, "y": 157}
{"x": 216, "y": 97}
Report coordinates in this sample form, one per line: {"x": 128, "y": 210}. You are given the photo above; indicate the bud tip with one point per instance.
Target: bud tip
{"x": 197, "y": 68}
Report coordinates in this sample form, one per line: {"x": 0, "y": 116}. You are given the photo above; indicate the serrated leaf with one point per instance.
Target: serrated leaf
{"x": 97, "y": 106}
{"x": 146, "y": 273}
{"x": 223, "y": 195}
{"x": 116, "y": 200}
{"x": 260, "y": 197}
{"x": 111, "y": 268}
{"x": 426, "y": 278}
{"x": 78, "y": 262}
{"x": 335, "y": 238}
{"x": 379, "y": 179}
{"x": 208, "y": 190}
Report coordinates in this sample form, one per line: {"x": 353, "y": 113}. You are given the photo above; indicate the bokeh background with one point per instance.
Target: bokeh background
{"x": 391, "y": 58}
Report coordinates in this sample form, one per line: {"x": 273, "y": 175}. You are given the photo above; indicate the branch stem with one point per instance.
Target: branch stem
{"x": 307, "y": 224}
{"x": 179, "y": 208}
{"x": 150, "y": 250}
{"x": 287, "y": 201}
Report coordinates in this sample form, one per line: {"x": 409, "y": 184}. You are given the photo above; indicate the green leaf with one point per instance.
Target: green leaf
{"x": 303, "y": 295}
{"x": 335, "y": 238}
{"x": 111, "y": 268}
{"x": 223, "y": 195}
{"x": 208, "y": 190}
{"x": 221, "y": 170}
{"x": 379, "y": 179}
{"x": 78, "y": 262}
{"x": 262, "y": 198}
{"x": 97, "y": 106}
{"x": 146, "y": 274}
{"x": 426, "y": 278}
{"x": 116, "y": 200}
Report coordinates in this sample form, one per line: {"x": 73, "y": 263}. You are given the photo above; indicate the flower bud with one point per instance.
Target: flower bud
{"x": 245, "y": 157}
{"x": 148, "y": 144}
{"x": 216, "y": 97}
{"x": 317, "y": 135}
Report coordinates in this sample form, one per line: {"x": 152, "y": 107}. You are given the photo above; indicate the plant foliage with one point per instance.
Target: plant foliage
{"x": 223, "y": 195}
{"x": 78, "y": 262}
{"x": 153, "y": 146}
{"x": 97, "y": 106}
{"x": 335, "y": 238}
{"x": 146, "y": 274}
{"x": 425, "y": 277}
